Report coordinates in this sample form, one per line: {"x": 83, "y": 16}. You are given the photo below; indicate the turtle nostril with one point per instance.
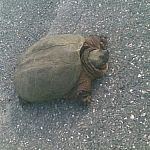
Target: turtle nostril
{"x": 104, "y": 55}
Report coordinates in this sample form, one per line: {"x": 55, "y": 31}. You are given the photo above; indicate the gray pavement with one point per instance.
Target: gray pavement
{"x": 119, "y": 118}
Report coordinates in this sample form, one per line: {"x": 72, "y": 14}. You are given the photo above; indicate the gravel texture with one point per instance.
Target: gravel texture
{"x": 119, "y": 118}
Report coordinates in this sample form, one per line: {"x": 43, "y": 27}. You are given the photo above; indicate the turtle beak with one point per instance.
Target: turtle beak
{"x": 104, "y": 56}
{"x": 99, "y": 58}
{"x": 103, "y": 59}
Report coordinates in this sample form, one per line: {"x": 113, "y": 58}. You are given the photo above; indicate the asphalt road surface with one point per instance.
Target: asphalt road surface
{"x": 119, "y": 118}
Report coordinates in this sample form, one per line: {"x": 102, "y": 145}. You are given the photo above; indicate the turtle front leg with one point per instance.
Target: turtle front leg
{"x": 84, "y": 97}
{"x": 84, "y": 89}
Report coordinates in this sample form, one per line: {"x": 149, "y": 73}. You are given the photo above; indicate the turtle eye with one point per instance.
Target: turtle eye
{"x": 103, "y": 42}
{"x": 102, "y": 45}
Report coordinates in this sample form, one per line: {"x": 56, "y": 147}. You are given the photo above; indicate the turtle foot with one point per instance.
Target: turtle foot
{"x": 84, "y": 98}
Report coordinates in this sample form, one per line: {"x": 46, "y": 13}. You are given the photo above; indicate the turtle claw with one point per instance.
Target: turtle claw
{"x": 84, "y": 98}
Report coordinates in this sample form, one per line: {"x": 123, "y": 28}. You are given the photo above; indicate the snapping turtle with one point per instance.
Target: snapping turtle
{"x": 61, "y": 66}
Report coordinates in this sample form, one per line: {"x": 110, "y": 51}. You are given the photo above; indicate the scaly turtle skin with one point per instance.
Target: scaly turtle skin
{"x": 60, "y": 66}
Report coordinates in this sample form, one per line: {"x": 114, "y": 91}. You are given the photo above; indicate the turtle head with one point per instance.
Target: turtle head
{"x": 99, "y": 58}
{"x": 99, "y": 55}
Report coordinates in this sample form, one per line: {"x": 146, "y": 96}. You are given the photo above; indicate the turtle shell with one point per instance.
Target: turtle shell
{"x": 49, "y": 69}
